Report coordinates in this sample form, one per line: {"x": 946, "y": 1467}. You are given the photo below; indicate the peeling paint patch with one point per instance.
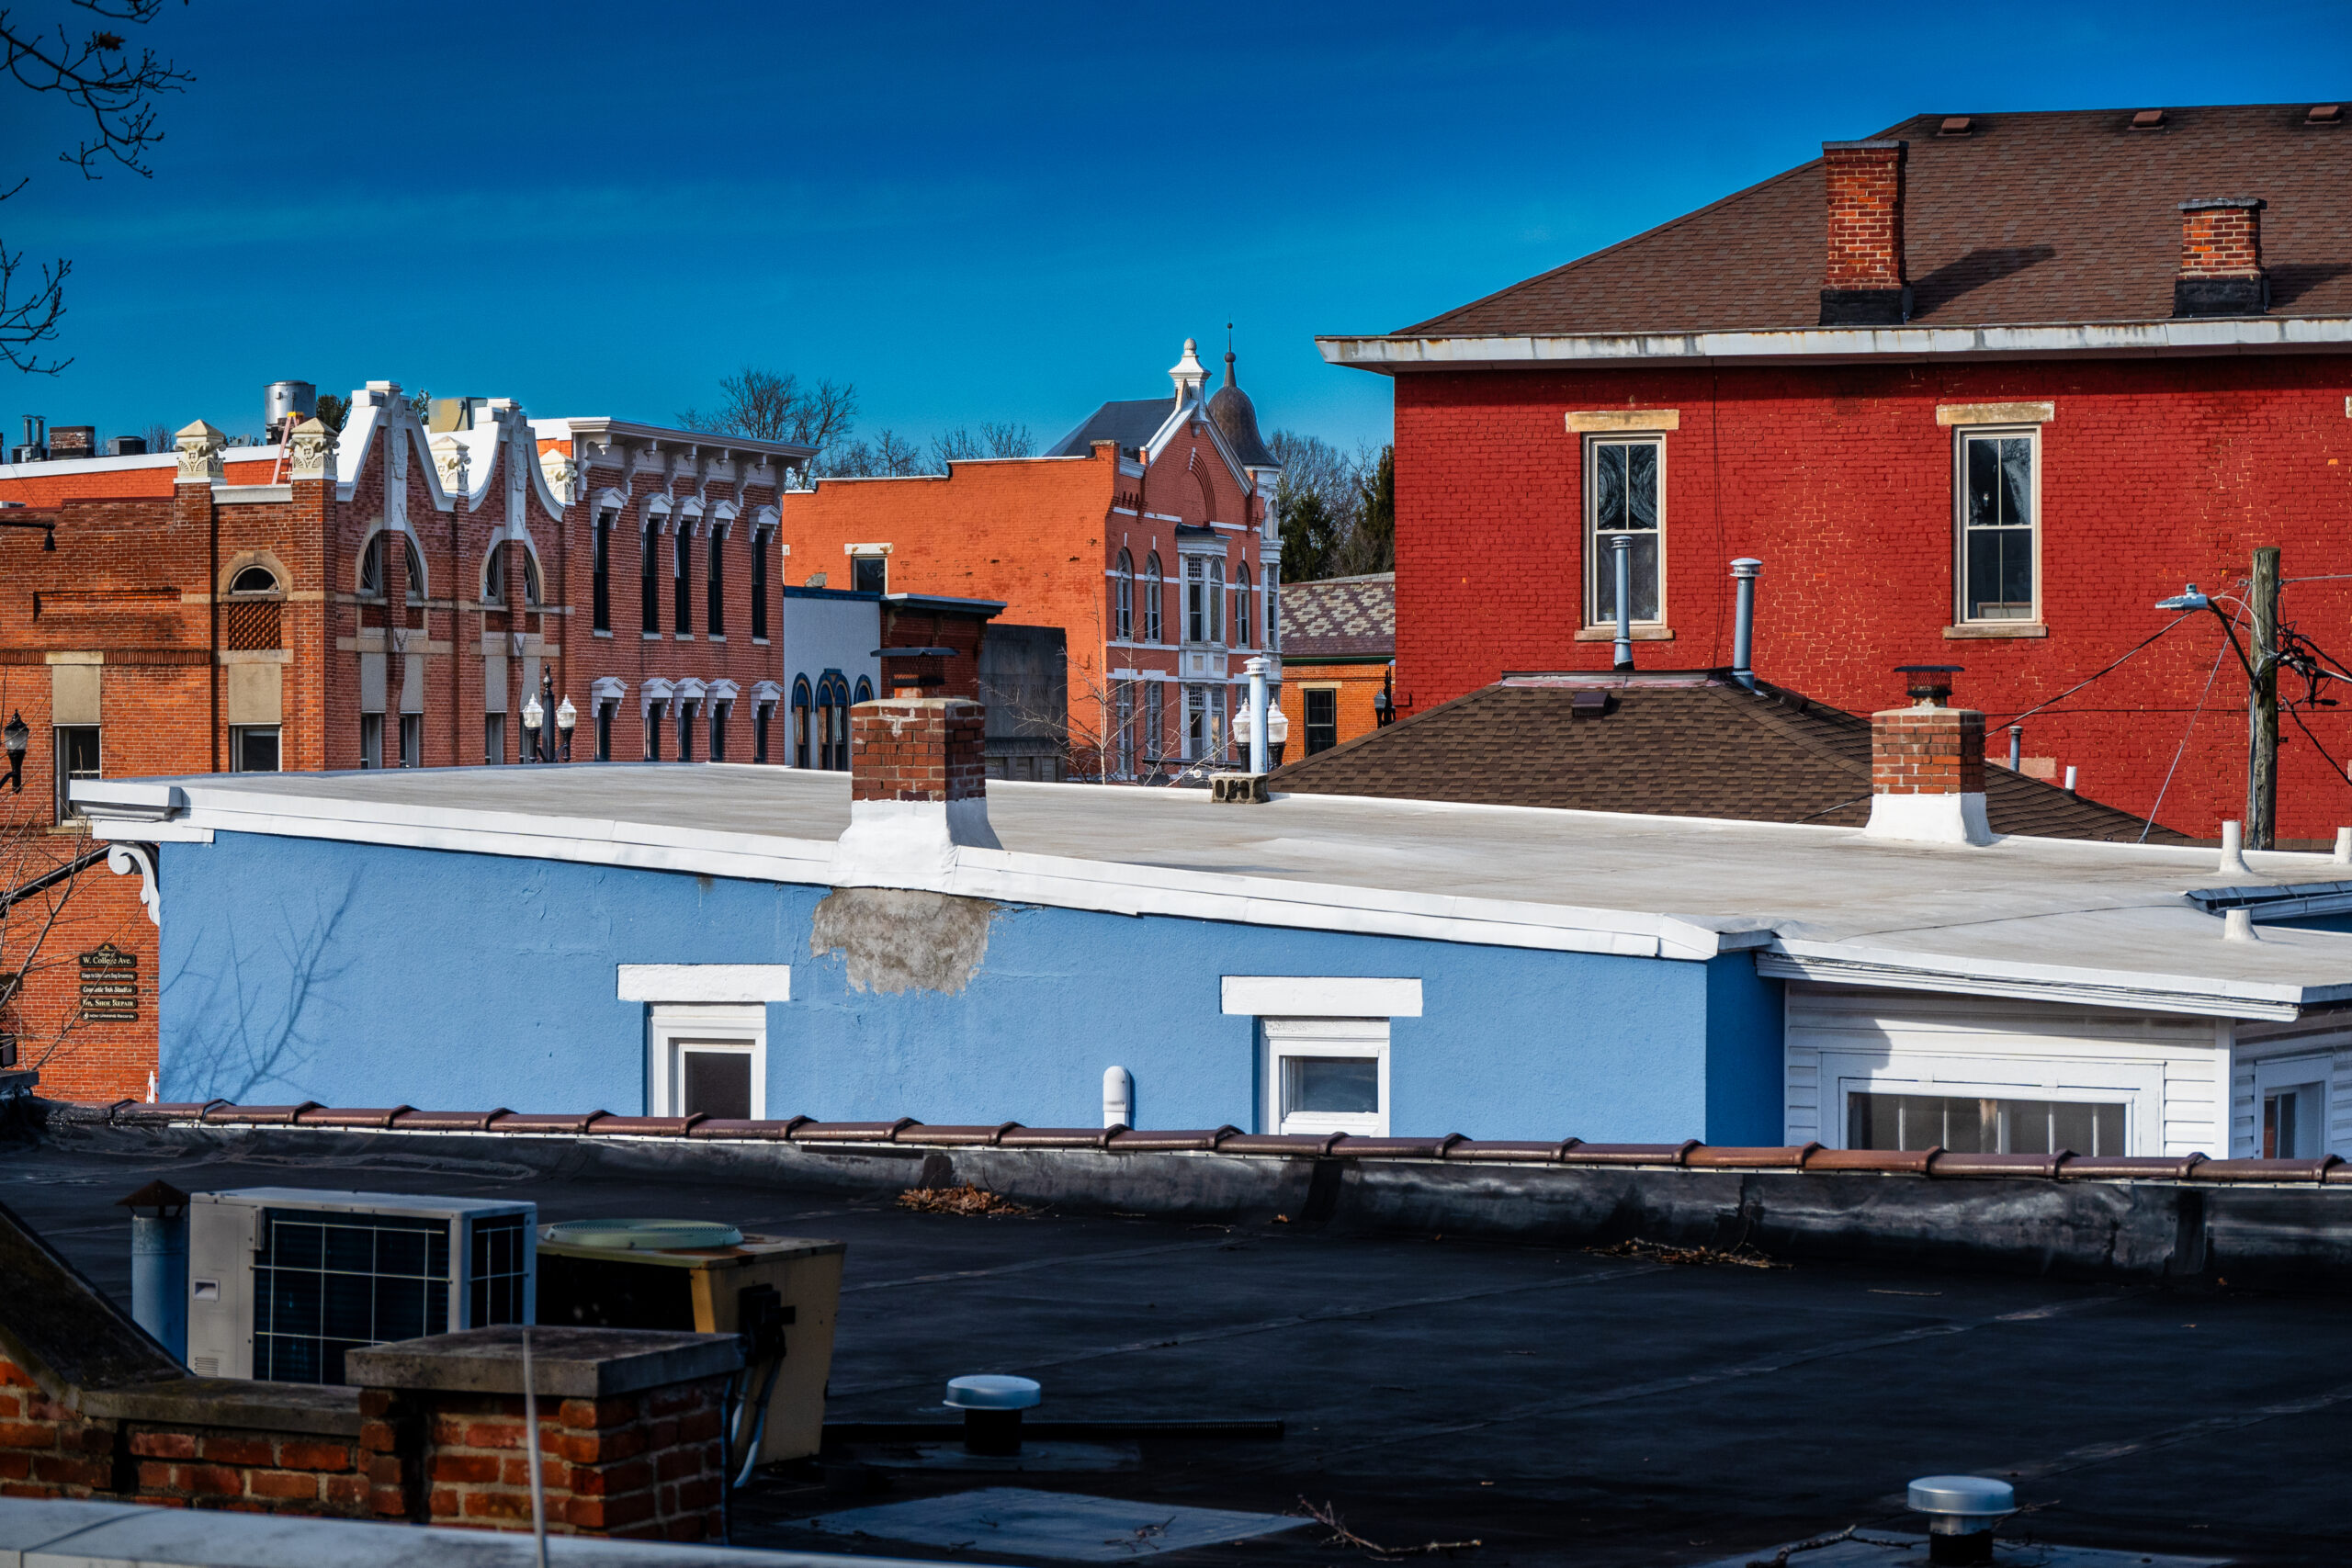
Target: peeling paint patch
{"x": 898, "y": 939}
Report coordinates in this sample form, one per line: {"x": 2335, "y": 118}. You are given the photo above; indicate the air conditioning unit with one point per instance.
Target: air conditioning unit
{"x": 282, "y": 1281}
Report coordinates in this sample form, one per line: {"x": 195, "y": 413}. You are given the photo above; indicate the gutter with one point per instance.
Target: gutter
{"x": 1402, "y": 353}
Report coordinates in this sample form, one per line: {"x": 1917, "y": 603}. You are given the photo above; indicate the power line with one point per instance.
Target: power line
{"x": 2021, "y": 718}
{"x": 2150, "y": 820}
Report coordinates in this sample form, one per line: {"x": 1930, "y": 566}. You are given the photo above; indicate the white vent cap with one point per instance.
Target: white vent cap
{"x": 1973, "y": 1498}
{"x": 988, "y": 1390}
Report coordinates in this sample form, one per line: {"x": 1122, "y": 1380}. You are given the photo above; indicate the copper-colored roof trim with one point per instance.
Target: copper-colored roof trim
{"x": 320, "y": 1116}
{"x": 222, "y": 1113}
{"x": 645, "y": 1127}
{"x": 447, "y": 1120}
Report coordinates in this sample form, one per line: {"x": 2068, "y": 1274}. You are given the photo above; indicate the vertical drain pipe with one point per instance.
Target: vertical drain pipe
{"x": 1743, "y": 624}
{"x": 1623, "y": 545}
{"x": 2016, "y": 744}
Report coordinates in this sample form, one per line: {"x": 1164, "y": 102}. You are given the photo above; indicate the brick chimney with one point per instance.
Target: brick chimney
{"x": 1863, "y": 283}
{"x": 918, "y": 790}
{"x": 2220, "y": 258}
{"x": 1928, "y": 765}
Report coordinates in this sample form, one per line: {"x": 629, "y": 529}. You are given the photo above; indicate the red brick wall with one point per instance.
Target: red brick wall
{"x": 1921, "y": 750}
{"x": 1357, "y": 685}
{"x": 2221, "y": 241}
{"x": 1840, "y": 480}
{"x": 921, "y": 749}
{"x": 1865, "y": 194}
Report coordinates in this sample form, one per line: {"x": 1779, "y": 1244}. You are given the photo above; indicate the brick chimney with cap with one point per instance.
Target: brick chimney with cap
{"x": 918, "y": 790}
{"x": 1928, "y": 765}
{"x": 1862, "y": 282}
{"x": 2220, "y": 258}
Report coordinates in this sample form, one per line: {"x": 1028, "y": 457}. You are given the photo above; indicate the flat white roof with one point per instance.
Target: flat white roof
{"x": 2067, "y": 920}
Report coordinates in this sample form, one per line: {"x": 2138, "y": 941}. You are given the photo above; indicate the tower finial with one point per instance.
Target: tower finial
{"x": 1229, "y": 354}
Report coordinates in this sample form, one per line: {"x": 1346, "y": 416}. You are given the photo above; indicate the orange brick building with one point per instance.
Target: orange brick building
{"x": 1339, "y": 647}
{"x": 222, "y": 609}
{"x": 1146, "y": 534}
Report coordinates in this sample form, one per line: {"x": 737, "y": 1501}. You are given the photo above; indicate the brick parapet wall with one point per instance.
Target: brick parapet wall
{"x": 649, "y": 1465}
{"x": 1924, "y": 750}
{"x": 918, "y": 749}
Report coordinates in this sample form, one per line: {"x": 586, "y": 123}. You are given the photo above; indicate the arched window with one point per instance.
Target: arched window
{"x": 371, "y": 569}
{"x": 1151, "y": 575}
{"x": 649, "y": 594}
{"x": 493, "y": 576}
{"x": 715, "y": 611}
{"x": 865, "y": 690}
{"x": 801, "y": 721}
{"x": 832, "y": 722}
{"x": 1244, "y": 626}
{"x": 1123, "y": 602}
{"x": 252, "y": 604}
{"x": 681, "y": 583}
{"x": 255, "y": 579}
{"x": 531, "y": 580}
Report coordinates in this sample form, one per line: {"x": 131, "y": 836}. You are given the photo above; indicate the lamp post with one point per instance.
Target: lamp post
{"x": 566, "y": 715}
{"x": 1383, "y": 702}
{"x": 532, "y": 716}
{"x": 17, "y": 738}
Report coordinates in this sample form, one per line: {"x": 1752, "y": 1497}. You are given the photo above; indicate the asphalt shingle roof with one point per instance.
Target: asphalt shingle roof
{"x": 2057, "y": 218}
{"x": 1700, "y": 748}
{"x": 1340, "y": 617}
{"x": 1130, "y": 423}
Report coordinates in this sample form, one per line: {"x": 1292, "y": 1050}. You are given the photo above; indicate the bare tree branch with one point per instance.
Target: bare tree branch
{"x": 766, "y": 406}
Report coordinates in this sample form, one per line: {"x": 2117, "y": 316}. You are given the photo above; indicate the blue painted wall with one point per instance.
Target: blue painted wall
{"x": 352, "y": 975}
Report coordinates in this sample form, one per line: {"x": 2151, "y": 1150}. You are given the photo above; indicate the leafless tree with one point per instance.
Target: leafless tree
{"x": 100, "y": 77}
{"x": 40, "y": 918}
{"x": 887, "y": 455}
{"x": 767, "y": 406}
{"x": 962, "y": 443}
{"x": 159, "y": 438}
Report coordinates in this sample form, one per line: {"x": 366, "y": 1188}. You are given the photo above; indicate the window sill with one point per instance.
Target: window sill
{"x": 1640, "y": 634}
{"x": 600, "y": 634}
{"x": 759, "y": 642}
{"x": 1976, "y": 629}
{"x": 718, "y": 636}
{"x": 648, "y": 637}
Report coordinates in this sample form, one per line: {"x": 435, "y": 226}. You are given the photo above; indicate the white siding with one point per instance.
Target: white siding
{"x": 2176, "y": 1067}
{"x": 2327, "y": 1040}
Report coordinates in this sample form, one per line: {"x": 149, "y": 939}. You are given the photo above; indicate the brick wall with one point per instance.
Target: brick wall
{"x": 647, "y": 1465}
{"x": 50, "y": 1451}
{"x": 2220, "y": 240}
{"x": 1355, "y": 685}
{"x": 1864, "y": 182}
{"x": 1840, "y": 480}
{"x": 922, "y": 748}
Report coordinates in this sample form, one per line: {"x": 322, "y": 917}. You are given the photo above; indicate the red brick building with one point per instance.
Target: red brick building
{"x": 1145, "y": 535}
{"x": 1978, "y": 391}
{"x": 1339, "y": 643}
{"x": 225, "y": 608}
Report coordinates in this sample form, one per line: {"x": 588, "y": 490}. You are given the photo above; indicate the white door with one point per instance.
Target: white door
{"x": 707, "y": 1058}
{"x": 1325, "y": 1075}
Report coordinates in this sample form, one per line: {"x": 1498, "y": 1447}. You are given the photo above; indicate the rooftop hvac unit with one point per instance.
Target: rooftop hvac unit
{"x": 282, "y": 1281}
{"x": 779, "y": 1293}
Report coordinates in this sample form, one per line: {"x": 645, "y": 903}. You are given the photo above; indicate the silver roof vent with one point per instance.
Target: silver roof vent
{"x": 1962, "y": 1513}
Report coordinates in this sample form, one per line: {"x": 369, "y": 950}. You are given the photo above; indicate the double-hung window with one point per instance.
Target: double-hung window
{"x": 1999, "y": 496}
{"x": 682, "y": 582}
{"x": 713, "y": 616}
{"x": 600, "y": 580}
{"x": 1624, "y": 488}
{"x": 648, "y": 593}
{"x": 77, "y": 758}
{"x": 1122, "y": 599}
{"x": 762, "y": 541}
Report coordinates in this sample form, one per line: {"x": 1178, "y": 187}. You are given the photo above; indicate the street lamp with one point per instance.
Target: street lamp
{"x": 2188, "y": 599}
{"x": 566, "y": 715}
{"x": 532, "y": 715}
{"x": 17, "y": 738}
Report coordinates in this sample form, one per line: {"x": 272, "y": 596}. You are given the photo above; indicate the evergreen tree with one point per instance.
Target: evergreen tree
{"x": 1310, "y": 534}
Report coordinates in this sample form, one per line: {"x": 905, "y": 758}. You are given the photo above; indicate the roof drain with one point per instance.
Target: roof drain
{"x": 1743, "y": 624}
{"x": 1963, "y": 1511}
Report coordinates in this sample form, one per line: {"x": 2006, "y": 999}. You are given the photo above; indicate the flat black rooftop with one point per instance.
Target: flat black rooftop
{"x": 1560, "y": 1407}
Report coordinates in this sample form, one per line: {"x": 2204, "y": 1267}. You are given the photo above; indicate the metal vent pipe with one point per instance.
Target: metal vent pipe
{"x": 1962, "y": 1513}
{"x": 1743, "y": 625}
{"x": 1623, "y": 545}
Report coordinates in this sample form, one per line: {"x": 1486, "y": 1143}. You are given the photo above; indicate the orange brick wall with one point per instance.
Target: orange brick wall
{"x": 1357, "y": 684}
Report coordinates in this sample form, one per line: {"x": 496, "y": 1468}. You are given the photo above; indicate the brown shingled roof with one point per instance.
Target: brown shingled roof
{"x": 1340, "y": 617}
{"x": 1693, "y": 745}
{"x": 2058, "y": 218}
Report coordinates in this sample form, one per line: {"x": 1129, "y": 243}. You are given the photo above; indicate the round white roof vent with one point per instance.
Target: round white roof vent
{"x": 988, "y": 1390}
{"x": 646, "y": 1235}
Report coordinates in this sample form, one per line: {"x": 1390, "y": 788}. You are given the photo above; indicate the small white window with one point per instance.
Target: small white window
{"x": 708, "y": 1058}
{"x": 2290, "y": 1113}
{"x": 1325, "y": 1075}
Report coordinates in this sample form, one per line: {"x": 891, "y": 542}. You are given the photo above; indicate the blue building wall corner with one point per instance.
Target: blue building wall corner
{"x": 1746, "y": 1075}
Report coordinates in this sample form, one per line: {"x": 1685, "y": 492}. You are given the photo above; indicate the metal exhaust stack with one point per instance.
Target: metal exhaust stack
{"x": 1743, "y": 626}
{"x": 1623, "y": 547}
{"x": 1963, "y": 1511}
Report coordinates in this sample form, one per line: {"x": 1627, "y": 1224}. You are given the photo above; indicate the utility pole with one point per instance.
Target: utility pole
{"x": 2261, "y": 705}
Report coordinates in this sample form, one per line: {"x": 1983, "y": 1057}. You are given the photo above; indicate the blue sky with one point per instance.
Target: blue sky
{"x": 975, "y": 213}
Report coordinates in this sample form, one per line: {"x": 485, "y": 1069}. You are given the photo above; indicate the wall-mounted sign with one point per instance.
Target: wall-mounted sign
{"x": 110, "y": 985}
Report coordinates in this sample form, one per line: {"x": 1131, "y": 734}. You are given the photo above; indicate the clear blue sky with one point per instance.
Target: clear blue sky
{"x": 973, "y": 212}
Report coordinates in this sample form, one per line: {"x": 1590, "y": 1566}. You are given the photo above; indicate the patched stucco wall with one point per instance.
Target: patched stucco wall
{"x": 355, "y": 974}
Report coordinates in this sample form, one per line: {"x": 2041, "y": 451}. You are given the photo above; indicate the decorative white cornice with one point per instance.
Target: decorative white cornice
{"x": 199, "y": 455}
{"x": 310, "y": 451}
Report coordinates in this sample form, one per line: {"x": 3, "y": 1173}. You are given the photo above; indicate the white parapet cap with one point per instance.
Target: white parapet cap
{"x": 1403, "y": 353}
{"x": 621, "y": 432}
{"x": 2091, "y": 923}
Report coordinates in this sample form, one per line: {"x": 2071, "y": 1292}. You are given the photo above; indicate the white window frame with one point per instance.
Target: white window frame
{"x": 1283, "y": 1039}
{"x": 1961, "y": 436}
{"x": 2297, "y": 1073}
{"x": 2139, "y": 1085}
{"x": 732, "y": 1028}
{"x": 1598, "y": 558}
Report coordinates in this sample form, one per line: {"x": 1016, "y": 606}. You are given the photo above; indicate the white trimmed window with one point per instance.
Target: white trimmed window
{"x": 1325, "y": 1075}
{"x": 1625, "y": 492}
{"x": 708, "y": 1058}
{"x": 1323, "y": 1047}
{"x": 1997, "y": 503}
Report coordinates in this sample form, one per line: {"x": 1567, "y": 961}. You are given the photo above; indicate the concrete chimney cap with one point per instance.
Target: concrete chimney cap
{"x": 2211, "y": 203}
{"x": 1879, "y": 145}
